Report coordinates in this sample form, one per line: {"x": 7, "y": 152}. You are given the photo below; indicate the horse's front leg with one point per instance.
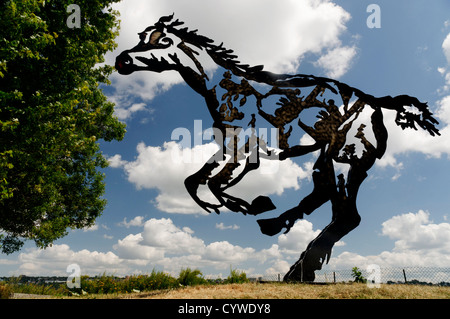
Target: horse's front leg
{"x": 201, "y": 177}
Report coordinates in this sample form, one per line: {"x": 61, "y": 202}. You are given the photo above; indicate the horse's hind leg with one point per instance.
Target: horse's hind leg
{"x": 345, "y": 219}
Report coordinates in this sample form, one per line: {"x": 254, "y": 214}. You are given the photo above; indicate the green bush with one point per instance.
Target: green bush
{"x": 236, "y": 277}
{"x": 154, "y": 281}
{"x": 357, "y": 275}
{"x": 5, "y": 291}
{"x": 20, "y": 285}
{"x": 103, "y": 284}
{"x": 190, "y": 277}
{"x": 107, "y": 284}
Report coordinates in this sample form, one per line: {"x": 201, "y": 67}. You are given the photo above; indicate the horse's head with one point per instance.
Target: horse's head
{"x": 152, "y": 38}
{"x": 161, "y": 36}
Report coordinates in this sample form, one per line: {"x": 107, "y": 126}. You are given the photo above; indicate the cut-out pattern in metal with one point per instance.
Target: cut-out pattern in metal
{"x": 243, "y": 87}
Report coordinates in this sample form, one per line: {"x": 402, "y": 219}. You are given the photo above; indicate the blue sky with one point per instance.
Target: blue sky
{"x": 151, "y": 223}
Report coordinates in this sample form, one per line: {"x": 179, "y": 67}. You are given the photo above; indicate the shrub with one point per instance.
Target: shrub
{"x": 106, "y": 284}
{"x": 190, "y": 277}
{"x": 154, "y": 281}
{"x": 5, "y": 291}
{"x": 357, "y": 274}
{"x": 236, "y": 277}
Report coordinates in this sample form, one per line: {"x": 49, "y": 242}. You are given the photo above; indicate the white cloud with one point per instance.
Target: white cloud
{"x": 137, "y": 221}
{"x": 444, "y": 71}
{"x": 418, "y": 243}
{"x": 276, "y": 34}
{"x": 131, "y": 247}
{"x": 165, "y": 168}
{"x": 163, "y": 233}
{"x": 417, "y": 232}
{"x": 54, "y": 261}
{"x": 401, "y": 142}
{"x": 116, "y": 161}
{"x": 278, "y": 267}
{"x": 420, "y": 141}
{"x": 8, "y": 262}
{"x": 298, "y": 237}
{"x": 337, "y": 61}
{"x": 124, "y": 113}
{"x": 91, "y": 228}
{"x": 446, "y": 48}
{"x": 221, "y": 226}
{"x": 223, "y": 251}
{"x": 159, "y": 238}
{"x": 160, "y": 168}
{"x": 162, "y": 244}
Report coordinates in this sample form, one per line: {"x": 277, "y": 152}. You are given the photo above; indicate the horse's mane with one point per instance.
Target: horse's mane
{"x": 226, "y": 58}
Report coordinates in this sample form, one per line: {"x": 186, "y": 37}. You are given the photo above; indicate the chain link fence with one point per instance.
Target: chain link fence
{"x": 387, "y": 275}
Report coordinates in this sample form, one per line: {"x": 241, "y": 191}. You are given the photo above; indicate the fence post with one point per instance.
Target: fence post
{"x": 404, "y": 276}
{"x": 279, "y": 277}
{"x": 334, "y": 276}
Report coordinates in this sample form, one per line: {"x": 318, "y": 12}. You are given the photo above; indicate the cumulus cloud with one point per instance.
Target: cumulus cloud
{"x": 116, "y": 161}
{"x": 337, "y": 61}
{"x": 418, "y": 242}
{"x": 165, "y": 168}
{"x": 55, "y": 259}
{"x": 446, "y": 48}
{"x": 124, "y": 112}
{"x": 276, "y": 34}
{"x": 131, "y": 248}
{"x": 226, "y": 252}
{"x": 408, "y": 140}
{"x": 221, "y": 226}
{"x": 298, "y": 237}
{"x": 445, "y": 71}
{"x": 163, "y": 243}
{"x": 401, "y": 142}
{"x": 161, "y": 168}
{"x": 417, "y": 232}
{"x": 137, "y": 221}
{"x": 163, "y": 233}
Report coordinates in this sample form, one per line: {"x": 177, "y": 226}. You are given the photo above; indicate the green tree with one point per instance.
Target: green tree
{"x": 52, "y": 114}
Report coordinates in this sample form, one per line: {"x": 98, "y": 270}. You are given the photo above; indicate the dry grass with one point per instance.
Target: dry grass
{"x": 301, "y": 291}
{"x": 280, "y": 291}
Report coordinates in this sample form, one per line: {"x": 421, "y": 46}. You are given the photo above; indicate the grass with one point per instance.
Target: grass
{"x": 304, "y": 291}
{"x": 112, "y": 286}
{"x": 284, "y": 291}
{"x": 191, "y": 284}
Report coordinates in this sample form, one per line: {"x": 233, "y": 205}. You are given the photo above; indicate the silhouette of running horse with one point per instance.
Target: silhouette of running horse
{"x": 242, "y": 85}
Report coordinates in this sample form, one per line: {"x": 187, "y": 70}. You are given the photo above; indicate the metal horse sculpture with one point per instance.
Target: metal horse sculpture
{"x": 329, "y": 132}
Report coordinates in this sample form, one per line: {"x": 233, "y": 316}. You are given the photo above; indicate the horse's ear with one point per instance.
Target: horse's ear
{"x": 150, "y": 28}
{"x": 166, "y": 18}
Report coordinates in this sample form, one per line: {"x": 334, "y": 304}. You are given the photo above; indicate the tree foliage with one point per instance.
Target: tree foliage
{"x": 52, "y": 115}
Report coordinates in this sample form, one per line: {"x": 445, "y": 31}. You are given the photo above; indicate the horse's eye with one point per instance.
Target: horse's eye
{"x": 154, "y": 37}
